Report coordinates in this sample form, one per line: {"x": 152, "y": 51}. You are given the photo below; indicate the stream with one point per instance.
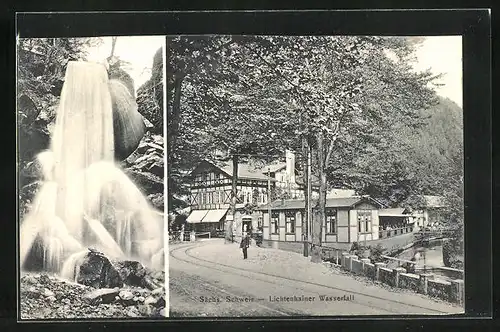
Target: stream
{"x": 431, "y": 255}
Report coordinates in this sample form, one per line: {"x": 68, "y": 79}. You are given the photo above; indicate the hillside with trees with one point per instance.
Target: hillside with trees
{"x": 372, "y": 123}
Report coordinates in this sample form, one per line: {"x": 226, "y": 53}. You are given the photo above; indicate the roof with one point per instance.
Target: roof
{"x": 337, "y": 202}
{"x": 246, "y": 171}
{"x": 393, "y": 212}
{"x": 273, "y": 168}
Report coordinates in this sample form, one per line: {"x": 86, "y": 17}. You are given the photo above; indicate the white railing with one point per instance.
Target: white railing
{"x": 203, "y": 233}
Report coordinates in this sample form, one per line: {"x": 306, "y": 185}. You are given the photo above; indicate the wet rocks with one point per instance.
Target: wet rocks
{"x": 97, "y": 271}
{"x": 131, "y": 272}
{"x": 148, "y": 182}
{"x": 48, "y": 293}
{"x": 102, "y": 295}
{"x": 145, "y": 310}
{"x": 126, "y": 297}
{"x": 139, "y": 291}
{"x": 150, "y": 300}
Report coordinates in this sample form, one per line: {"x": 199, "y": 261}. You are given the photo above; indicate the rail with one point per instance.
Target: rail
{"x": 203, "y": 233}
{"x": 424, "y": 266}
{"x": 176, "y": 236}
{"x": 383, "y": 234}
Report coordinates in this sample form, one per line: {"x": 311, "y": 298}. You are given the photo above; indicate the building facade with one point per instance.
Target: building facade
{"x": 348, "y": 220}
{"x": 210, "y": 194}
{"x": 210, "y": 188}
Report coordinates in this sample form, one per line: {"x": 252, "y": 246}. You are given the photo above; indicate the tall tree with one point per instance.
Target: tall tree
{"x": 346, "y": 89}
{"x": 338, "y": 93}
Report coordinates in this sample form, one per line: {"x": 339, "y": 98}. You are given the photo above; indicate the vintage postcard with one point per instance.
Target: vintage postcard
{"x": 91, "y": 174}
{"x": 314, "y": 175}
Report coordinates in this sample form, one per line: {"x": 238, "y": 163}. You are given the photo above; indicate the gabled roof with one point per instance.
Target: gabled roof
{"x": 338, "y": 202}
{"x": 245, "y": 171}
{"x": 273, "y": 168}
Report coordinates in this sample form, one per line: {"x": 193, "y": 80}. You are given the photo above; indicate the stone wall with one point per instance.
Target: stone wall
{"x": 409, "y": 281}
{"x": 439, "y": 288}
{"x": 385, "y": 276}
{"x": 370, "y": 270}
{"x": 357, "y": 267}
{"x": 452, "y": 291}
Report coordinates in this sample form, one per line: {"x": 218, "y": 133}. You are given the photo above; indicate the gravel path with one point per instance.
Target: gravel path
{"x": 270, "y": 272}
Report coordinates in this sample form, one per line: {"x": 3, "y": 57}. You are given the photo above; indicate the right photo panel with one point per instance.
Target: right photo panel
{"x": 314, "y": 175}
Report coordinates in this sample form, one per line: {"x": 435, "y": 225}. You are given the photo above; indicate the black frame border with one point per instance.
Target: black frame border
{"x": 472, "y": 24}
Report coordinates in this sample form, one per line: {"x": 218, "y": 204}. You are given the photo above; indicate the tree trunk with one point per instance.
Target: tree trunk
{"x": 305, "y": 226}
{"x": 234, "y": 196}
{"x": 174, "y": 119}
{"x": 319, "y": 213}
{"x": 173, "y": 129}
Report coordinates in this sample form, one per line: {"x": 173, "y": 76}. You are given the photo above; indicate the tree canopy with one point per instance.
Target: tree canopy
{"x": 356, "y": 101}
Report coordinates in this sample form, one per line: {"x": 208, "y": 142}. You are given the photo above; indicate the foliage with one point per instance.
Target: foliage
{"x": 416, "y": 161}
{"x": 177, "y": 222}
{"x": 346, "y": 95}
{"x": 376, "y": 253}
{"x": 150, "y": 95}
{"x": 41, "y": 68}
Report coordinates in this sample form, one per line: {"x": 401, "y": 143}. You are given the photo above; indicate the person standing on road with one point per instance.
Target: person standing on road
{"x": 245, "y": 243}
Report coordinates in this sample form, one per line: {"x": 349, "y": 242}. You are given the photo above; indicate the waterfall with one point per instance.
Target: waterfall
{"x": 86, "y": 199}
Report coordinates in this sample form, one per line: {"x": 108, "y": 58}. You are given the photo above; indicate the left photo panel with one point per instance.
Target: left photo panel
{"x": 90, "y": 152}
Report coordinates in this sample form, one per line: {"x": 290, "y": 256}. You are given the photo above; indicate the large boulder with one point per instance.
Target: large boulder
{"x": 132, "y": 273}
{"x": 128, "y": 125}
{"x": 96, "y": 270}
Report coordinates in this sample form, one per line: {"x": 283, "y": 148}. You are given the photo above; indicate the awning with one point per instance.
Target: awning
{"x": 214, "y": 215}
{"x": 394, "y": 215}
{"x": 196, "y": 216}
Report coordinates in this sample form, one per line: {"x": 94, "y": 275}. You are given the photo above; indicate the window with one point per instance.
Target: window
{"x": 290, "y": 222}
{"x": 260, "y": 222}
{"x": 331, "y": 221}
{"x": 364, "y": 221}
{"x": 274, "y": 223}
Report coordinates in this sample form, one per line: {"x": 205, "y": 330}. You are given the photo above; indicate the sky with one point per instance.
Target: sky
{"x": 443, "y": 54}
{"x": 137, "y": 50}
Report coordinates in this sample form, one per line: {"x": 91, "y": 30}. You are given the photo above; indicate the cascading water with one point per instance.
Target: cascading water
{"x": 86, "y": 200}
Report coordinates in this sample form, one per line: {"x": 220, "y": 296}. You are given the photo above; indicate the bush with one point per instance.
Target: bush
{"x": 453, "y": 253}
{"x": 376, "y": 253}
{"x": 355, "y": 247}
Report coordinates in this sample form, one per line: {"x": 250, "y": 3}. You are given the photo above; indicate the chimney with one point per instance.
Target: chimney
{"x": 290, "y": 166}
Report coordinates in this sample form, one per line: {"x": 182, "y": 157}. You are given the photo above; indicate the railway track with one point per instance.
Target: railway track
{"x": 384, "y": 305}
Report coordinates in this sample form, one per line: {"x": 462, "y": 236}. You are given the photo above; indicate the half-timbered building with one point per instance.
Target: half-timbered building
{"x": 210, "y": 195}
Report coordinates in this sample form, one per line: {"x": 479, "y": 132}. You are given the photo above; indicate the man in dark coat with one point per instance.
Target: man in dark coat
{"x": 245, "y": 243}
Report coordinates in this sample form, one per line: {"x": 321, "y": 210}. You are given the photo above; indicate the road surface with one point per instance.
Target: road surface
{"x": 210, "y": 279}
